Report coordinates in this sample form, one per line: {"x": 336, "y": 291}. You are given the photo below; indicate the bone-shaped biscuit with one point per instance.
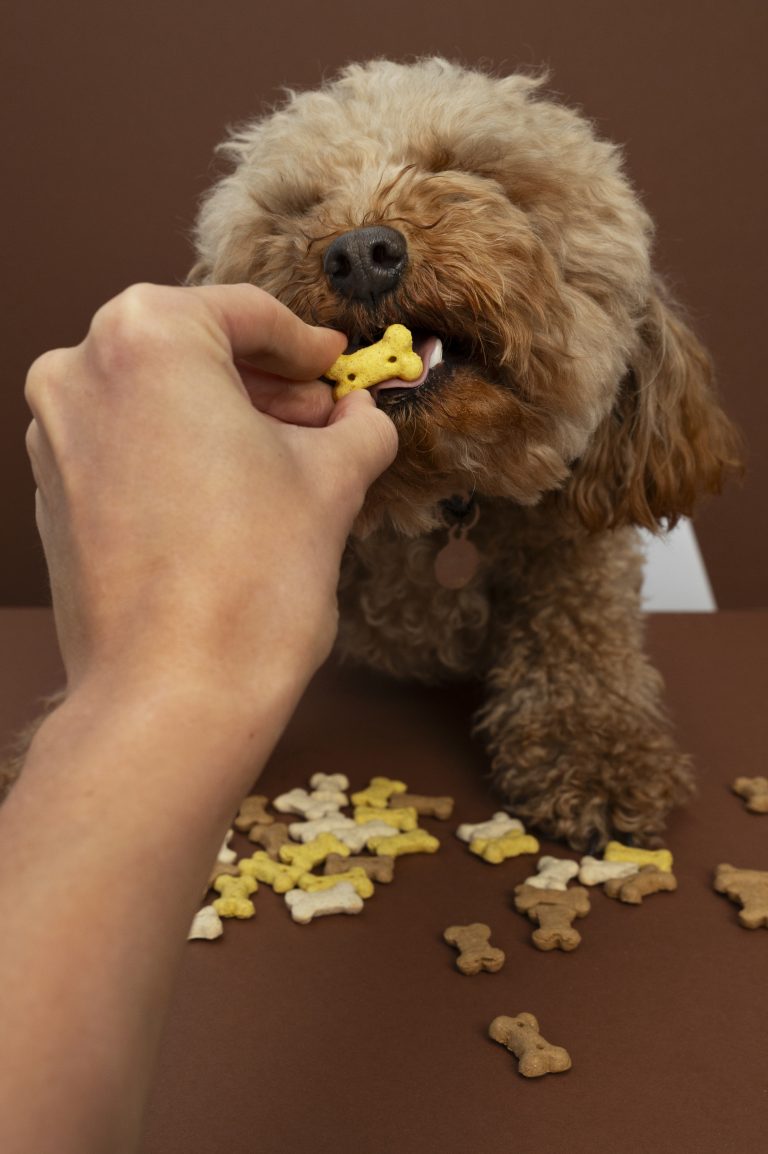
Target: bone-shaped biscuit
{"x": 308, "y": 830}
{"x": 392, "y": 356}
{"x": 356, "y": 876}
{"x": 522, "y": 1038}
{"x": 553, "y": 873}
{"x": 555, "y": 911}
{"x": 235, "y": 901}
{"x": 359, "y": 837}
{"x": 661, "y": 858}
{"x": 339, "y": 899}
{"x": 253, "y": 811}
{"x": 338, "y": 781}
{"x": 206, "y": 924}
{"x": 269, "y": 837}
{"x": 648, "y": 880}
{"x": 279, "y": 876}
{"x": 314, "y": 852}
{"x": 498, "y": 849}
{"x": 754, "y": 790}
{"x": 750, "y": 887}
{"x": 439, "y": 807}
{"x": 593, "y": 872}
{"x": 304, "y": 804}
{"x": 415, "y": 841}
{"x": 403, "y": 818}
{"x": 378, "y": 792}
{"x": 475, "y": 950}
{"x": 378, "y": 869}
{"x": 497, "y": 826}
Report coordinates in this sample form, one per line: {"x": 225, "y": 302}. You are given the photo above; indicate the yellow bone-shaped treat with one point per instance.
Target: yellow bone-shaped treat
{"x": 312, "y": 853}
{"x": 357, "y": 876}
{"x": 378, "y": 793}
{"x": 417, "y": 841}
{"x": 661, "y": 858}
{"x": 262, "y": 867}
{"x": 497, "y": 849}
{"x": 234, "y": 901}
{"x": 392, "y": 356}
{"x": 403, "y": 819}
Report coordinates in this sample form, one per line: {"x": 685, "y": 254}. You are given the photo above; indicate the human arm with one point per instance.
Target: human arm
{"x": 194, "y": 594}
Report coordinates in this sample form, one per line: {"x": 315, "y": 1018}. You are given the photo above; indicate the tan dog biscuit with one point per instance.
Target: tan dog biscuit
{"x": 555, "y": 911}
{"x": 439, "y": 807}
{"x": 270, "y": 837}
{"x": 750, "y": 887}
{"x": 378, "y": 868}
{"x": 522, "y": 1038}
{"x": 648, "y": 880}
{"x": 754, "y": 790}
{"x": 391, "y": 357}
{"x": 475, "y": 950}
{"x": 252, "y": 812}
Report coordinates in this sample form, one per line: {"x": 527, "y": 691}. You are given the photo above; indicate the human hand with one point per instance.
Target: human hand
{"x": 189, "y": 531}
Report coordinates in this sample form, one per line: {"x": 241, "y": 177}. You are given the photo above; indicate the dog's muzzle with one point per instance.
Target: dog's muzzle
{"x": 366, "y": 263}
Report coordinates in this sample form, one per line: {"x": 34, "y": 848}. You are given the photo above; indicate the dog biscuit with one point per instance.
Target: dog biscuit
{"x": 378, "y": 792}
{"x": 226, "y": 854}
{"x": 235, "y": 901}
{"x": 522, "y": 1038}
{"x": 314, "y": 852}
{"x": 338, "y": 781}
{"x": 498, "y": 825}
{"x": 593, "y": 872}
{"x": 553, "y": 873}
{"x": 206, "y": 924}
{"x": 308, "y": 830}
{"x": 269, "y": 837}
{"x": 404, "y": 819}
{"x": 661, "y": 858}
{"x": 263, "y": 868}
{"x": 300, "y": 802}
{"x": 220, "y": 868}
{"x": 475, "y": 950}
{"x": 649, "y": 880}
{"x": 498, "y": 849}
{"x": 378, "y": 869}
{"x": 357, "y": 839}
{"x": 754, "y": 791}
{"x": 253, "y": 811}
{"x": 555, "y": 911}
{"x": 313, "y": 883}
{"x": 439, "y": 807}
{"x": 392, "y": 356}
{"x": 339, "y": 899}
{"x": 415, "y": 841}
{"x": 750, "y": 887}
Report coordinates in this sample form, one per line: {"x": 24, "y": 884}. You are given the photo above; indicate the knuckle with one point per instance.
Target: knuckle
{"x": 132, "y": 326}
{"x": 44, "y": 371}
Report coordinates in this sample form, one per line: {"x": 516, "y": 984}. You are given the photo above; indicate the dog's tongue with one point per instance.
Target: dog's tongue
{"x": 430, "y": 349}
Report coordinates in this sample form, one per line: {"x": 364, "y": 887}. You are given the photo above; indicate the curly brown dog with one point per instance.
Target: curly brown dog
{"x": 565, "y": 403}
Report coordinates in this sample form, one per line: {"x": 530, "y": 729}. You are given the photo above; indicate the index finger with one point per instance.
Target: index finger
{"x": 273, "y": 338}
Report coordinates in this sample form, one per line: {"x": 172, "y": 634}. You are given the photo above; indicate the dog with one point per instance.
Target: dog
{"x": 564, "y": 402}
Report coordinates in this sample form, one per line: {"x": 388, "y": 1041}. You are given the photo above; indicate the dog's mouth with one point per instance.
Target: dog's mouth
{"x": 439, "y": 355}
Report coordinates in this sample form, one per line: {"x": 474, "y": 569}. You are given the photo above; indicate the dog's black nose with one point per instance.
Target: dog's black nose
{"x": 366, "y": 262}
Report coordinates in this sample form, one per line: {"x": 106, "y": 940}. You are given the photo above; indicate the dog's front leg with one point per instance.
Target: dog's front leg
{"x": 580, "y": 744}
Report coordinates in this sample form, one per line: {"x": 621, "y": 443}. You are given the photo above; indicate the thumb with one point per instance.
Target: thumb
{"x": 364, "y": 435}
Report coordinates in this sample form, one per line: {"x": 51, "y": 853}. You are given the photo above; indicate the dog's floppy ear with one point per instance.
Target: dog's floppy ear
{"x": 666, "y": 440}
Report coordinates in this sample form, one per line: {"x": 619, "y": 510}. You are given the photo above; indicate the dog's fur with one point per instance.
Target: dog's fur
{"x": 574, "y": 403}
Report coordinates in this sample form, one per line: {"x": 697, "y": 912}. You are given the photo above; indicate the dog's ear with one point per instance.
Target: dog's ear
{"x": 666, "y": 440}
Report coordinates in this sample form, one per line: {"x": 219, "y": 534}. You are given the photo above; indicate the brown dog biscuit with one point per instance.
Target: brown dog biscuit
{"x": 440, "y": 807}
{"x": 475, "y": 950}
{"x": 754, "y": 791}
{"x": 379, "y": 868}
{"x": 648, "y": 880}
{"x": 253, "y": 811}
{"x": 270, "y": 837}
{"x": 750, "y": 887}
{"x": 555, "y": 911}
{"x": 535, "y": 1055}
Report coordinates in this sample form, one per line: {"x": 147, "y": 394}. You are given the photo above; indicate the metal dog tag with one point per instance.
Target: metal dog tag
{"x": 458, "y": 561}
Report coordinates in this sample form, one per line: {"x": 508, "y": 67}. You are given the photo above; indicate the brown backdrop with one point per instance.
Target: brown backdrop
{"x": 113, "y": 112}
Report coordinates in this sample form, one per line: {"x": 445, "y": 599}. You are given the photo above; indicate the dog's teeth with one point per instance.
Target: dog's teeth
{"x": 437, "y": 354}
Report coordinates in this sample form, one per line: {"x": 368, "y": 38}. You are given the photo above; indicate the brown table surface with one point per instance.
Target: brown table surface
{"x": 358, "y": 1034}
